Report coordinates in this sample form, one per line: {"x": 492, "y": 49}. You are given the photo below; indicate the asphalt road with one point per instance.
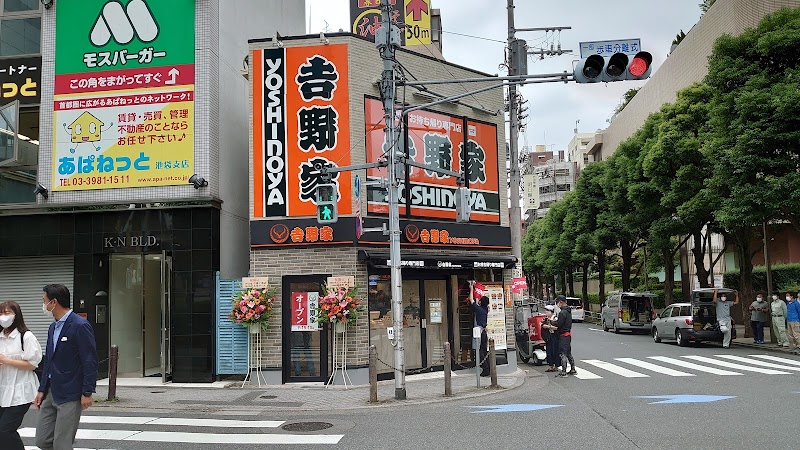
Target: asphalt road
{"x": 738, "y": 405}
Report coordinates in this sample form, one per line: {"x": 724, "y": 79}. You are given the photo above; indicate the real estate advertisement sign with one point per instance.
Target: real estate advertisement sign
{"x": 496, "y": 320}
{"x": 301, "y": 120}
{"x": 454, "y": 143}
{"x": 124, "y": 94}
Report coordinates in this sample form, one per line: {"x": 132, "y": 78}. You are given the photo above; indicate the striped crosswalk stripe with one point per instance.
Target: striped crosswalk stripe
{"x": 198, "y": 438}
{"x": 613, "y": 368}
{"x": 736, "y": 366}
{"x": 584, "y": 374}
{"x": 693, "y": 366}
{"x": 777, "y": 359}
{"x": 759, "y": 363}
{"x": 184, "y": 422}
{"x": 655, "y": 367}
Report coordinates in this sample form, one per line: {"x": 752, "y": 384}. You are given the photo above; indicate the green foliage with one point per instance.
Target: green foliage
{"x": 706, "y": 5}
{"x": 678, "y": 38}
{"x": 626, "y": 98}
{"x": 785, "y": 277}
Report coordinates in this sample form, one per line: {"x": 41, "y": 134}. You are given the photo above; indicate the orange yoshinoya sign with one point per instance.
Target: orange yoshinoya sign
{"x": 301, "y": 122}
{"x": 454, "y": 143}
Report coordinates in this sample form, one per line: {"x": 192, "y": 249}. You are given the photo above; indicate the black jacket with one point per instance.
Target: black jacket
{"x": 564, "y": 321}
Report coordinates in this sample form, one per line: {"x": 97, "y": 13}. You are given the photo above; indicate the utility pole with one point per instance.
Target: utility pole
{"x": 513, "y": 151}
{"x": 387, "y": 40}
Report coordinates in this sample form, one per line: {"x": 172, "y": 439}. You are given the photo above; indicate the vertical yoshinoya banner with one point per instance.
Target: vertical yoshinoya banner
{"x": 301, "y": 122}
{"x": 304, "y": 311}
{"x": 438, "y": 140}
{"x": 496, "y": 320}
{"x": 124, "y": 94}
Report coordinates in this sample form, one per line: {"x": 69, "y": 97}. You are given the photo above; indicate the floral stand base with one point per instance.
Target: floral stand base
{"x": 254, "y": 354}
{"x": 339, "y": 355}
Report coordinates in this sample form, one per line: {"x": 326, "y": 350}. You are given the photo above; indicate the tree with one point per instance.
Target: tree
{"x": 678, "y": 38}
{"x": 626, "y": 98}
{"x": 755, "y": 144}
{"x": 591, "y": 241}
{"x": 706, "y": 5}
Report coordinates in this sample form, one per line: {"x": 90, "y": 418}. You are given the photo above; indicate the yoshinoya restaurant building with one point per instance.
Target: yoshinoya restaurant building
{"x": 133, "y": 98}
{"x": 315, "y": 102}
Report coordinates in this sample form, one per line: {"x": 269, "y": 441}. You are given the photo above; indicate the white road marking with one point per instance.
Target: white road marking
{"x": 627, "y": 373}
{"x": 793, "y": 362}
{"x": 655, "y": 367}
{"x": 731, "y": 365}
{"x": 198, "y": 438}
{"x": 584, "y": 374}
{"x": 594, "y": 329}
{"x": 688, "y": 365}
{"x": 758, "y": 363}
{"x": 184, "y": 422}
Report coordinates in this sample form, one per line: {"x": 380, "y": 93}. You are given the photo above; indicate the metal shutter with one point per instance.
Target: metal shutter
{"x": 232, "y": 339}
{"x": 22, "y": 280}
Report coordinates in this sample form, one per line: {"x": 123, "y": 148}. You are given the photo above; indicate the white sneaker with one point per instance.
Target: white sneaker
{"x": 785, "y": 344}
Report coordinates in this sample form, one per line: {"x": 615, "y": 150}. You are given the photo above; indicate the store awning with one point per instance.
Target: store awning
{"x": 381, "y": 260}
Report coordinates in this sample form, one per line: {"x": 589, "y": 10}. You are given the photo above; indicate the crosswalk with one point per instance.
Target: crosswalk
{"x": 690, "y": 365}
{"x": 178, "y": 430}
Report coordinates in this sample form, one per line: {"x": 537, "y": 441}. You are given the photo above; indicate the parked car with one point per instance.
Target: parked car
{"x": 576, "y": 307}
{"x": 673, "y": 323}
{"x": 701, "y": 326}
{"x": 632, "y": 311}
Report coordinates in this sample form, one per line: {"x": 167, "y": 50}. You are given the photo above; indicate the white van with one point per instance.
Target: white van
{"x": 576, "y": 307}
{"x": 631, "y": 311}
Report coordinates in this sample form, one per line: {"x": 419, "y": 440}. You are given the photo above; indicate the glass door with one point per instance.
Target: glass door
{"x": 166, "y": 331}
{"x": 305, "y": 345}
{"x": 126, "y": 313}
{"x": 435, "y": 322}
{"x": 412, "y": 324}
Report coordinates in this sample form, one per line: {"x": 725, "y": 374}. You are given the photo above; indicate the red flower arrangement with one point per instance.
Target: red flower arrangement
{"x": 253, "y": 307}
{"x": 339, "y": 306}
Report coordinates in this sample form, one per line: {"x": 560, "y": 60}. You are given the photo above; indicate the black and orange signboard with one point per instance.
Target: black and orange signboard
{"x": 419, "y": 233}
{"x": 301, "y": 121}
{"x": 301, "y": 233}
{"x": 454, "y": 143}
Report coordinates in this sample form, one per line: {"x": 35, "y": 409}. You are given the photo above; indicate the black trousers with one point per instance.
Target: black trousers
{"x": 565, "y": 351}
{"x": 10, "y": 421}
{"x": 484, "y": 351}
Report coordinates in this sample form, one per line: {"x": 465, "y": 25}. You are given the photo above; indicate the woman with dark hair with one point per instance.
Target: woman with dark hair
{"x": 20, "y": 354}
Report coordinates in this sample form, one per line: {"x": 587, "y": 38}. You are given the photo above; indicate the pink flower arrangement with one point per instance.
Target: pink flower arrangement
{"x": 252, "y": 307}
{"x": 339, "y": 306}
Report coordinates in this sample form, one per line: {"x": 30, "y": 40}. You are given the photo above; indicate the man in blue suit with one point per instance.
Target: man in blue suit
{"x": 69, "y": 375}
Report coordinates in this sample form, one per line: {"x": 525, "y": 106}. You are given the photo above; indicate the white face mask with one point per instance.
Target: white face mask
{"x": 6, "y": 320}
{"x": 788, "y": 298}
{"x": 47, "y": 312}
{"x": 759, "y": 299}
{"x": 722, "y": 299}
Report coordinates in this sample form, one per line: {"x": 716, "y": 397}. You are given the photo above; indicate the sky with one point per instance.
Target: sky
{"x": 554, "y": 108}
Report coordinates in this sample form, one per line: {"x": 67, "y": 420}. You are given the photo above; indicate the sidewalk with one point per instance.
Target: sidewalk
{"x": 748, "y": 342}
{"x": 228, "y": 398}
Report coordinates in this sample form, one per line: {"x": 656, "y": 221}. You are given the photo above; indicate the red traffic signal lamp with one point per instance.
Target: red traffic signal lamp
{"x": 617, "y": 67}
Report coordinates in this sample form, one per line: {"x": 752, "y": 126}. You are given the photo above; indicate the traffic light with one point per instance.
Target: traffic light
{"x": 617, "y": 67}
{"x": 462, "y": 205}
{"x": 327, "y": 198}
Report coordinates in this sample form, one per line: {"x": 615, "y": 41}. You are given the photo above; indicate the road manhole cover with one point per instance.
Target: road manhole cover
{"x": 269, "y": 397}
{"x": 307, "y": 426}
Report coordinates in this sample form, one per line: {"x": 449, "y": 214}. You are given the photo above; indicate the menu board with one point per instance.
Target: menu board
{"x": 496, "y": 321}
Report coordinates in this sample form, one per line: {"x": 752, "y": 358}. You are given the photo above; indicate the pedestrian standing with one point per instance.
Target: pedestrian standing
{"x": 563, "y": 327}
{"x": 778, "y": 312}
{"x": 758, "y": 315}
{"x": 481, "y": 312}
{"x": 20, "y": 354}
{"x": 69, "y": 377}
{"x": 551, "y": 340}
{"x": 793, "y": 323}
{"x": 724, "y": 305}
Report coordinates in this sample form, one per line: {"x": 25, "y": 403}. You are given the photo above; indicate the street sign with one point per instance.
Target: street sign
{"x": 359, "y": 219}
{"x": 608, "y": 48}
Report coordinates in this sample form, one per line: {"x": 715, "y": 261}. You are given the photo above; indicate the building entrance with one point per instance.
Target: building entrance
{"x": 139, "y": 314}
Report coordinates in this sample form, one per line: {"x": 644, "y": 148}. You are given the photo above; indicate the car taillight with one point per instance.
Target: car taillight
{"x": 619, "y": 314}
{"x": 652, "y": 315}
{"x": 688, "y": 321}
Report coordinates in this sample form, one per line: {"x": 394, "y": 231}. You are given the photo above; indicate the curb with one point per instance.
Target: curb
{"x": 764, "y": 347}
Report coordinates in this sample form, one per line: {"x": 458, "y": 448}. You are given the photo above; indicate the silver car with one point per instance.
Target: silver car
{"x": 673, "y": 323}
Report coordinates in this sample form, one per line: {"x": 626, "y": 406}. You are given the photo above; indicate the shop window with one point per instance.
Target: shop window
{"x": 11, "y": 6}
{"x": 18, "y": 171}
{"x": 20, "y": 36}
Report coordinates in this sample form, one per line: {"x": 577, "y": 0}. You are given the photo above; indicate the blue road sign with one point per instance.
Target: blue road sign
{"x": 687, "y": 398}
{"x": 511, "y": 408}
{"x": 608, "y": 48}
{"x": 357, "y": 186}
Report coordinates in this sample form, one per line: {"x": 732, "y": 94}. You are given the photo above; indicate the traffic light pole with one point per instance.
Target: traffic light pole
{"x": 513, "y": 151}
